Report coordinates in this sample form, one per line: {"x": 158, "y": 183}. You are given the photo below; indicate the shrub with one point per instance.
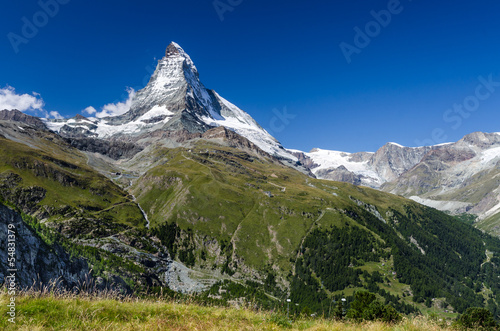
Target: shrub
{"x": 475, "y": 318}
{"x": 362, "y": 300}
{"x": 366, "y": 306}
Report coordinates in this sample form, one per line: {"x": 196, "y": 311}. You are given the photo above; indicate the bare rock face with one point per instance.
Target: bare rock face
{"x": 36, "y": 262}
{"x": 448, "y": 156}
{"x": 305, "y": 160}
{"x": 17, "y": 116}
{"x": 229, "y": 138}
{"x": 457, "y": 177}
{"x": 480, "y": 139}
{"x": 392, "y": 160}
{"x": 172, "y": 50}
{"x": 360, "y": 157}
{"x": 340, "y": 174}
{"x": 114, "y": 149}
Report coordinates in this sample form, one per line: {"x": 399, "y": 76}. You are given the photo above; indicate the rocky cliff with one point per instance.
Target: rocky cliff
{"x": 36, "y": 262}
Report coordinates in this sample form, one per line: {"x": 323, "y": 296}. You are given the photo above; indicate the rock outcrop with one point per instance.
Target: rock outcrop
{"x": 17, "y": 116}
{"x": 36, "y": 263}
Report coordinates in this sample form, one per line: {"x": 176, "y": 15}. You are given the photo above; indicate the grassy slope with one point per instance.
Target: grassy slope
{"x": 72, "y": 313}
{"x": 223, "y": 195}
{"x": 71, "y": 186}
{"x": 490, "y": 225}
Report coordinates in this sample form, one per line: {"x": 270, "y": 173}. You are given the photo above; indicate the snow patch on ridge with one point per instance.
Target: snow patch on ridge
{"x": 53, "y": 125}
{"x": 104, "y": 129}
{"x": 333, "y": 159}
{"x": 155, "y": 112}
{"x": 489, "y": 155}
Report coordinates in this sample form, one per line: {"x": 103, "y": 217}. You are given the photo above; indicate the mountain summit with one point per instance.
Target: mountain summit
{"x": 175, "y": 100}
{"x": 174, "y": 49}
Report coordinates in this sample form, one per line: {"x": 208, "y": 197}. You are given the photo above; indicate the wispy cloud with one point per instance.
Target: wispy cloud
{"x": 55, "y": 115}
{"x": 113, "y": 109}
{"x": 10, "y": 100}
{"x": 89, "y": 110}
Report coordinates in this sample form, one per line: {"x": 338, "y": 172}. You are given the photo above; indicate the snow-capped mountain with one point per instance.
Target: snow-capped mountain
{"x": 363, "y": 168}
{"x": 174, "y": 100}
{"x": 458, "y": 177}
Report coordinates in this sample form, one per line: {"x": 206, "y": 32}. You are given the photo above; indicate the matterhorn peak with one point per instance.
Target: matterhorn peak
{"x": 176, "y": 57}
{"x": 175, "y": 100}
{"x": 174, "y": 49}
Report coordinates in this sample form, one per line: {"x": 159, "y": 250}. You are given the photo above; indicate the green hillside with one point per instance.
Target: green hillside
{"x": 320, "y": 239}
{"x": 55, "y": 183}
{"x": 266, "y": 232}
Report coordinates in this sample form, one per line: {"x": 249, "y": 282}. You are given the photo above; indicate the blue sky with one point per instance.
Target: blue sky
{"x": 416, "y": 82}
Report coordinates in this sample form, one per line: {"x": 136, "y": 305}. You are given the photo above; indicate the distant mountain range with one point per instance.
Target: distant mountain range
{"x": 461, "y": 177}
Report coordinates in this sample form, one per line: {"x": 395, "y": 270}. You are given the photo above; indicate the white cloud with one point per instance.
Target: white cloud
{"x": 89, "y": 110}
{"x": 22, "y": 102}
{"x": 55, "y": 115}
{"x": 119, "y": 108}
{"x": 10, "y": 100}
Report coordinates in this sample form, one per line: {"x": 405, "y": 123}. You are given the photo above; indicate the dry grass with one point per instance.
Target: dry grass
{"x": 50, "y": 308}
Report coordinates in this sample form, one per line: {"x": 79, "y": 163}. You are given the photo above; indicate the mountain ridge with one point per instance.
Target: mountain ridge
{"x": 432, "y": 175}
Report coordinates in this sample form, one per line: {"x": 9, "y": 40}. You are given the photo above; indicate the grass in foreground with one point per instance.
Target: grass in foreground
{"x": 69, "y": 312}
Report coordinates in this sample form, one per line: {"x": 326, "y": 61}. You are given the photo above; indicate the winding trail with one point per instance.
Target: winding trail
{"x": 283, "y": 188}
{"x": 488, "y": 257}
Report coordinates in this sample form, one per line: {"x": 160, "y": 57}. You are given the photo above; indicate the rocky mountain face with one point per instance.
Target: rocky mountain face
{"x": 363, "y": 168}
{"x": 457, "y": 177}
{"x": 460, "y": 177}
{"x": 37, "y": 263}
{"x": 17, "y": 116}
